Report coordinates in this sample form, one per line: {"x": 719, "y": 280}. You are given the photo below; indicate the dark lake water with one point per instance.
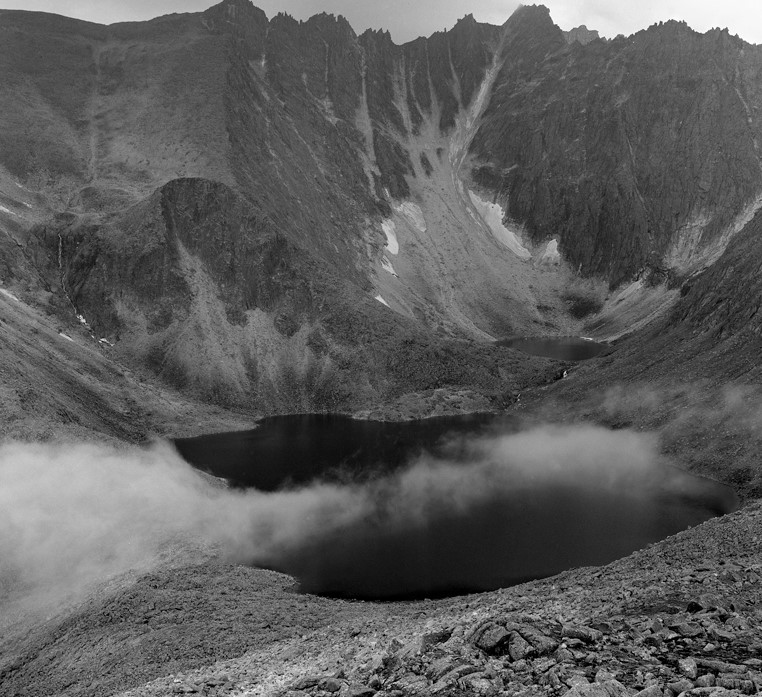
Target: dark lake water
{"x": 468, "y": 523}
{"x": 563, "y": 348}
{"x": 291, "y": 450}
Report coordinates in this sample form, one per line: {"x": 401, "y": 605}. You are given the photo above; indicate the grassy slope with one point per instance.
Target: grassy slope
{"x": 53, "y": 388}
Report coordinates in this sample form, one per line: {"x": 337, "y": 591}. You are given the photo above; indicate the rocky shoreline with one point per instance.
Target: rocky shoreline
{"x": 681, "y": 617}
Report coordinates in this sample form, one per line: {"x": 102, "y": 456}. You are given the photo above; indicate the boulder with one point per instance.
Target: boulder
{"x": 518, "y": 647}
{"x": 586, "y": 634}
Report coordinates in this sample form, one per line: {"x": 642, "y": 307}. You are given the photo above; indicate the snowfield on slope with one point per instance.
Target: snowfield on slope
{"x": 390, "y": 230}
{"x": 492, "y": 214}
{"x": 413, "y": 213}
{"x": 8, "y": 294}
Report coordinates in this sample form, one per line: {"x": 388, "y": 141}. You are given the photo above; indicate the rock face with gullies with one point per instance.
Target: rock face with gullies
{"x": 249, "y": 163}
{"x": 198, "y": 284}
{"x": 638, "y": 151}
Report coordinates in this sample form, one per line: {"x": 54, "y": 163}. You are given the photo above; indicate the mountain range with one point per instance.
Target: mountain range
{"x": 275, "y": 215}
{"x": 211, "y": 217}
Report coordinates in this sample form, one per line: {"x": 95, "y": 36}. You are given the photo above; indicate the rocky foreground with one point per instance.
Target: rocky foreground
{"x": 681, "y": 617}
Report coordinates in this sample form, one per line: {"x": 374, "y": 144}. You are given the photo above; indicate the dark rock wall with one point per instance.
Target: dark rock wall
{"x": 616, "y": 145}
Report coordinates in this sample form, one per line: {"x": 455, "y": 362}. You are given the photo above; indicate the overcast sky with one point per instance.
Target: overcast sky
{"x": 407, "y": 20}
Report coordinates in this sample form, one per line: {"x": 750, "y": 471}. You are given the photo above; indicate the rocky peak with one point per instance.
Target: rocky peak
{"x": 235, "y": 8}
{"x": 242, "y": 20}
{"x": 236, "y": 13}
{"x": 581, "y": 35}
{"x": 376, "y": 37}
{"x": 538, "y": 14}
{"x": 466, "y": 21}
{"x": 531, "y": 35}
{"x": 330, "y": 24}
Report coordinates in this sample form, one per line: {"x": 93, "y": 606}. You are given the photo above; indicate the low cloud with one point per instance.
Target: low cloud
{"x": 72, "y": 514}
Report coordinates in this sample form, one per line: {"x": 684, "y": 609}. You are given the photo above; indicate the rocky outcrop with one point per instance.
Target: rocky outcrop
{"x": 581, "y": 35}
{"x": 200, "y": 286}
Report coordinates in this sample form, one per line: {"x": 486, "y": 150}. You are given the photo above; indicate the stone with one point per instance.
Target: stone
{"x": 717, "y": 666}
{"x": 586, "y": 634}
{"x": 542, "y": 644}
{"x": 604, "y": 676}
{"x": 307, "y": 682}
{"x": 458, "y": 672}
{"x": 492, "y": 639}
{"x": 330, "y": 684}
{"x": 688, "y": 667}
{"x": 518, "y": 647}
{"x": 679, "y": 686}
{"x": 430, "y": 639}
{"x": 687, "y": 629}
{"x": 478, "y": 685}
{"x": 563, "y": 655}
{"x": 551, "y": 678}
{"x": 736, "y": 683}
{"x": 610, "y": 688}
{"x": 706, "y": 680}
{"x": 360, "y": 691}
{"x": 650, "y": 691}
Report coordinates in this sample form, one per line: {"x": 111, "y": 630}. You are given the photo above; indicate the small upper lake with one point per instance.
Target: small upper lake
{"x": 562, "y": 348}
{"x": 444, "y": 506}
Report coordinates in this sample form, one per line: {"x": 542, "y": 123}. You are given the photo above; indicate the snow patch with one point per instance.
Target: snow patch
{"x": 413, "y": 213}
{"x": 381, "y": 300}
{"x": 688, "y": 255}
{"x": 628, "y": 292}
{"x": 551, "y": 255}
{"x": 105, "y": 341}
{"x": 8, "y": 294}
{"x": 3, "y": 209}
{"x": 492, "y": 214}
{"x": 390, "y": 230}
{"x": 66, "y": 336}
{"x": 387, "y": 266}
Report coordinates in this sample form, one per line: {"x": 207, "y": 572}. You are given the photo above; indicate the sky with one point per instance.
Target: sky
{"x": 406, "y": 20}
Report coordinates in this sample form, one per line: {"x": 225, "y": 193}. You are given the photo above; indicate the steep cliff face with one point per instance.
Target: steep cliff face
{"x": 638, "y": 151}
